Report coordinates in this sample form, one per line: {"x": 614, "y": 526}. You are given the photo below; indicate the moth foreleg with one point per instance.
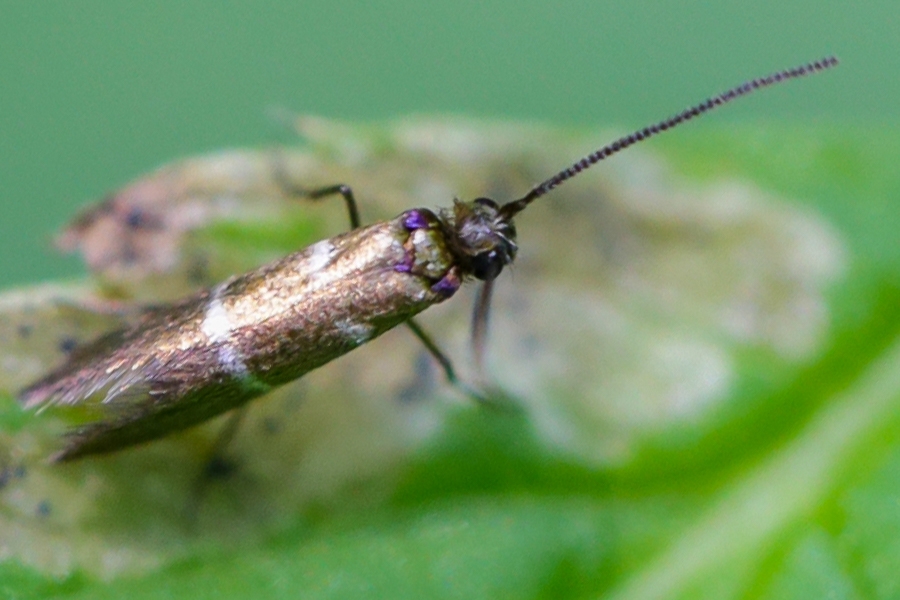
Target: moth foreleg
{"x": 493, "y": 400}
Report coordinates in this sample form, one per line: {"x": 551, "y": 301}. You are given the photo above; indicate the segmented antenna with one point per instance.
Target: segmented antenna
{"x": 511, "y": 208}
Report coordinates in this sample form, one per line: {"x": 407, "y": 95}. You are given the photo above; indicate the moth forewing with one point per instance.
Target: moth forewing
{"x": 210, "y": 353}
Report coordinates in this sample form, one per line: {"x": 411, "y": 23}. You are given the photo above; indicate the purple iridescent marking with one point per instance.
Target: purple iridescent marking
{"x": 405, "y": 266}
{"x": 447, "y": 286}
{"x": 415, "y": 219}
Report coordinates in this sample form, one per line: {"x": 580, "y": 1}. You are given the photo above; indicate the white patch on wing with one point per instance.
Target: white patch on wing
{"x": 320, "y": 255}
{"x": 359, "y": 333}
{"x": 217, "y": 326}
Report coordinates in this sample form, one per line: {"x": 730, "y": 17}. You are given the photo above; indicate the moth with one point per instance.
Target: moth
{"x": 183, "y": 363}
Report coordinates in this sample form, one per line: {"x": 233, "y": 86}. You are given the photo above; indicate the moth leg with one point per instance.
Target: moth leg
{"x": 340, "y": 189}
{"x": 478, "y": 337}
{"x": 492, "y": 400}
{"x": 216, "y": 465}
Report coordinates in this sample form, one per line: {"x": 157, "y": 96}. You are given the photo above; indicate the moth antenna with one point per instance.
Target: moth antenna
{"x": 512, "y": 208}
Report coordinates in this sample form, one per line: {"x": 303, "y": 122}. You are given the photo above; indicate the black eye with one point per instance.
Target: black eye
{"x": 486, "y": 202}
{"x": 487, "y": 265}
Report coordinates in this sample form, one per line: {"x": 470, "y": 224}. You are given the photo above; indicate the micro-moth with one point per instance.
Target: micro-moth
{"x": 186, "y": 362}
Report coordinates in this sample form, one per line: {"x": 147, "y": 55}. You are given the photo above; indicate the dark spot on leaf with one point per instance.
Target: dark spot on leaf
{"x": 67, "y": 344}
{"x": 219, "y": 467}
{"x": 24, "y": 331}
{"x": 271, "y": 425}
{"x": 9, "y": 472}
{"x": 135, "y": 218}
{"x": 43, "y": 509}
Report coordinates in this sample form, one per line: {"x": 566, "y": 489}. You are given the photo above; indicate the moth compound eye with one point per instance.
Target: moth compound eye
{"x": 487, "y": 202}
{"x": 487, "y": 265}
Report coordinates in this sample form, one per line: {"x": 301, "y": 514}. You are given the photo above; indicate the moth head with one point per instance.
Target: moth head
{"x": 484, "y": 239}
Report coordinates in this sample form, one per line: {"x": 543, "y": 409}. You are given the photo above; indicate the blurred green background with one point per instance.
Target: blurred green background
{"x": 95, "y": 93}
